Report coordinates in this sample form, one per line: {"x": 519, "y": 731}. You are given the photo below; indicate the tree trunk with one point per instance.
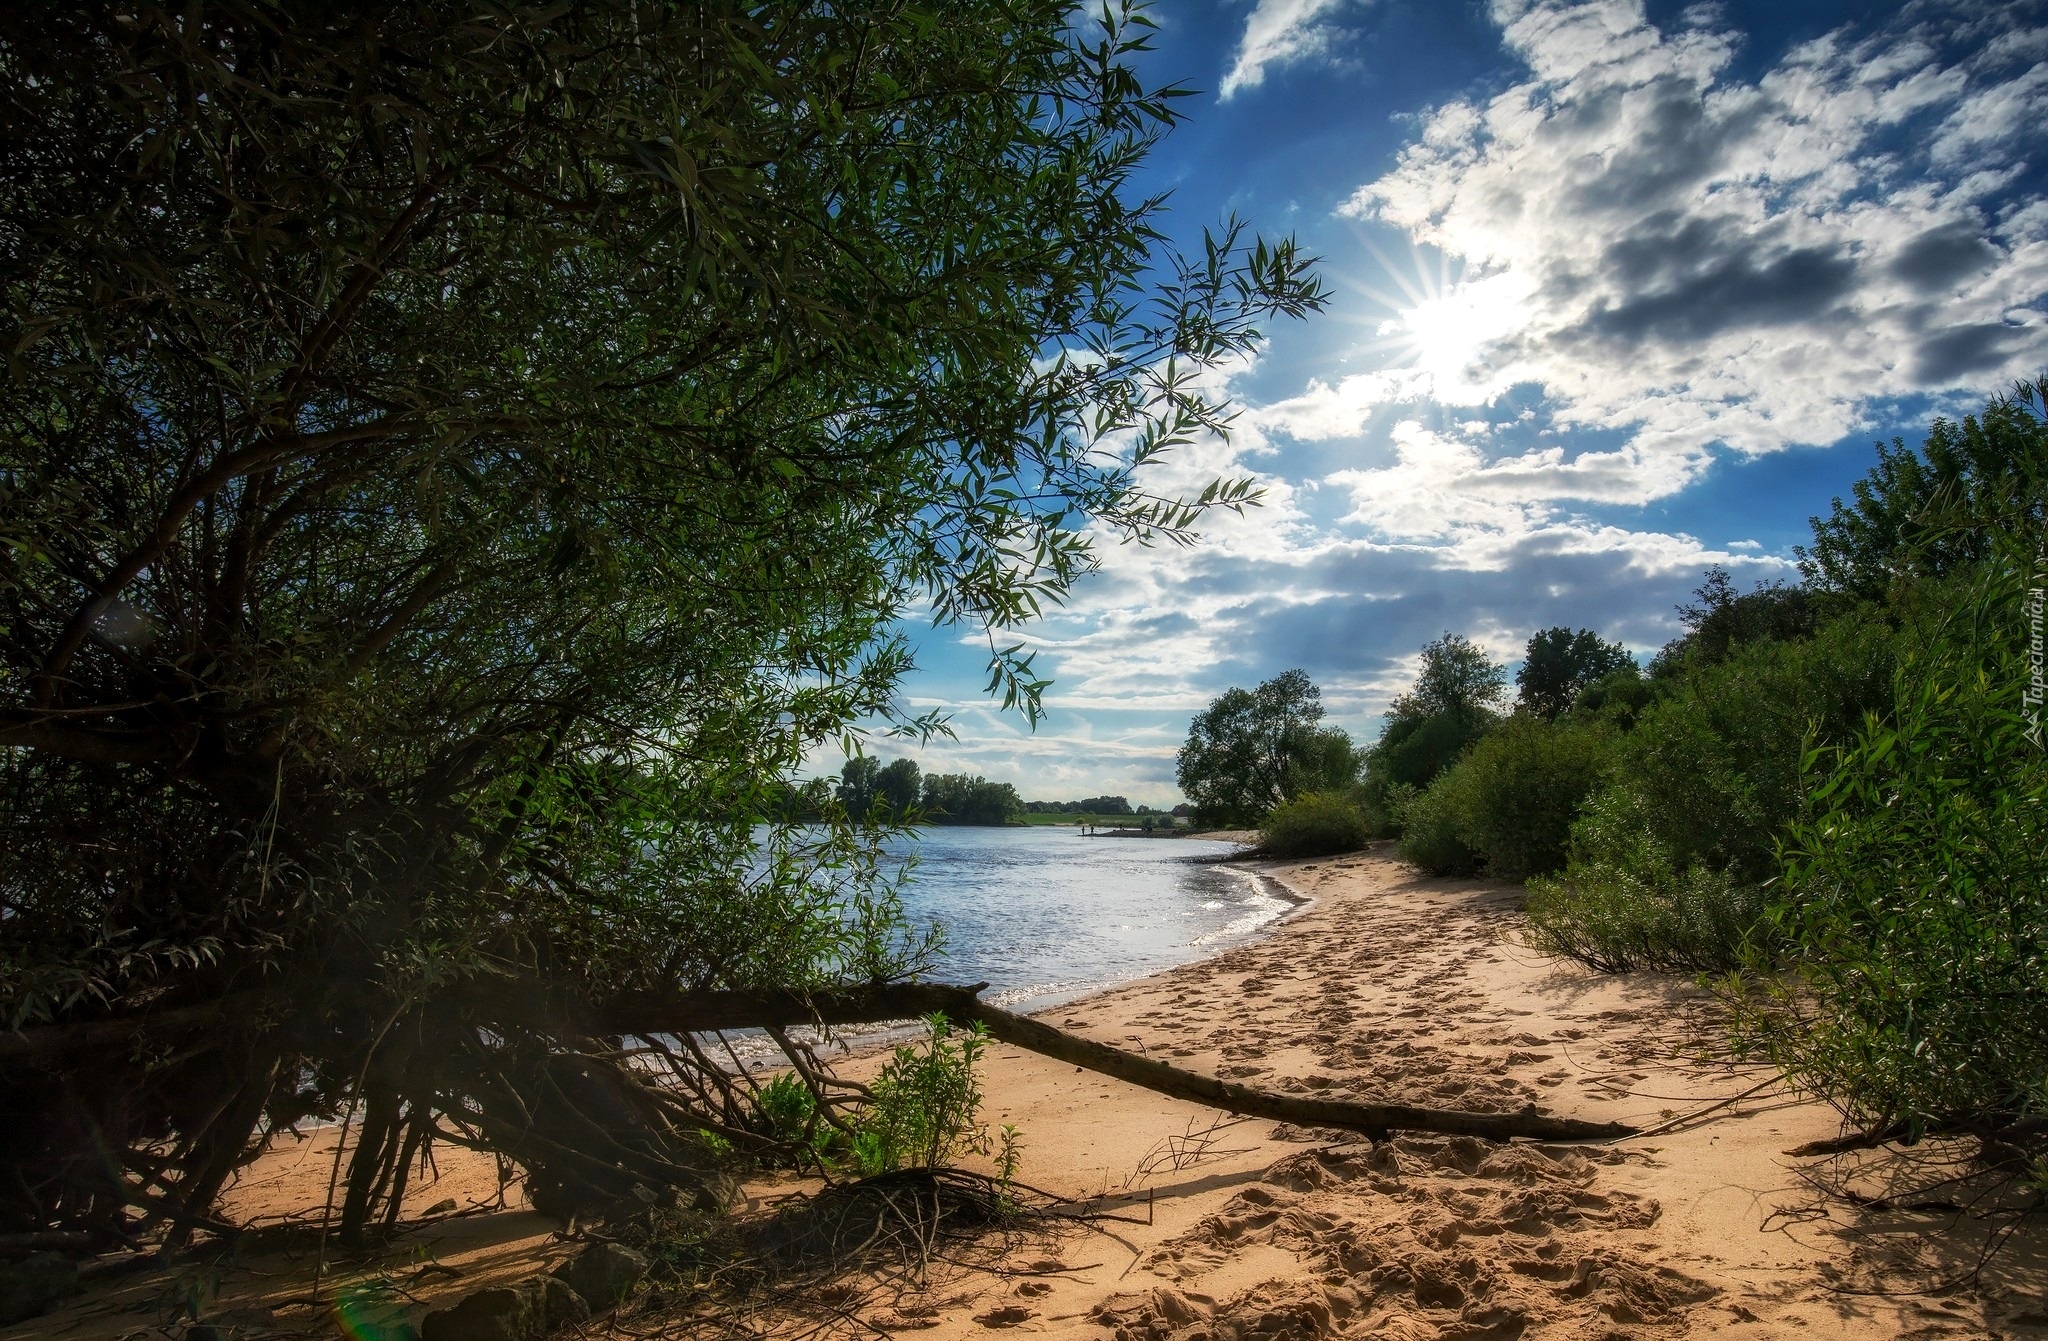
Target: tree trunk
{"x": 960, "y": 1003}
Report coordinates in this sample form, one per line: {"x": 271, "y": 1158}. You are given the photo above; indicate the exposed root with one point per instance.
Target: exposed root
{"x": 851, "y": 1259}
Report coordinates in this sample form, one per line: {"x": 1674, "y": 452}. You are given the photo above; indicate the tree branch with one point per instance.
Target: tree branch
{"x": 92, "y": 747}
{"x": 699, "y": 1011}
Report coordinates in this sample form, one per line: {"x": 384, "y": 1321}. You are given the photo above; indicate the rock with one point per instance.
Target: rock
{"x": 560, "y": 1304}
{"x": 604, "y": 1274}
{"x": 31, "y": 1286}
{"x": 488, "y": 1315}
{"x": 524, "y": 1312}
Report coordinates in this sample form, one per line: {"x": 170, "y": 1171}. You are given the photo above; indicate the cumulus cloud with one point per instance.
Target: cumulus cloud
{"x": 1700, "y": 260}
{"x": 1278, "y": 32}
{"x": 1165, "y": 633}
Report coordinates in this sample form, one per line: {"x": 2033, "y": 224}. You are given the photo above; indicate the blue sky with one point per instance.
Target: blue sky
{"x": 1620, "y": 291}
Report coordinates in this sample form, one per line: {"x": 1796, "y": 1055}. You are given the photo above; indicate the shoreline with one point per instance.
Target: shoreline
{"x": 1384, "y": 984}
{"x": 853, "y": 1043}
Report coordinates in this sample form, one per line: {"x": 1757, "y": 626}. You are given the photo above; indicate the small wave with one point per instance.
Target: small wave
{"x": 1262, "y": 908}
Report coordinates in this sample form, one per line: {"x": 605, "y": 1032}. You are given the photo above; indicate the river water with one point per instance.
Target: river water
{"x": 1044, "y": 914}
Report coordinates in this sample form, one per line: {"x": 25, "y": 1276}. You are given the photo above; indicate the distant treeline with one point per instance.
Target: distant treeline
{"x": 1099, "y": 805}
{"x": 898, "y": 791}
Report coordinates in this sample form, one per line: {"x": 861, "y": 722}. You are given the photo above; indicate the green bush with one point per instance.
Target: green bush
{"x": 1615, "y": 699}
{"x": 1714, "y": 763}
{"x": 924, "y": 1105}
{"x": 790, "y": 1111}
{"x": 1314, "y": 825}
{"x": 1383, "y": 807}
{"x": 1432, "y": 825}
{"x": 1625, "y": 902}
{"x": 1521, "y": 787}
{"x": 1915, "y": 896}
{"x": 1667, "y": 861}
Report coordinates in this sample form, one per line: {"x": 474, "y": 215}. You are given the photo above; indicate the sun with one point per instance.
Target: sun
{"x": 1441, "y": 321}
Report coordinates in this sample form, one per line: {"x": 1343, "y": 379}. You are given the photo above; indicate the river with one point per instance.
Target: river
{"x": 1044, "y": 914}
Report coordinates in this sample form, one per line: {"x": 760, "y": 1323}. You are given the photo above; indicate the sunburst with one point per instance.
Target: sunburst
{"x": 1438, "y": 317}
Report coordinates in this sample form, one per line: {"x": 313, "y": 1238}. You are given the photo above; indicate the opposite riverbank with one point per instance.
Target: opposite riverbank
{"x": 1388, "y": 985}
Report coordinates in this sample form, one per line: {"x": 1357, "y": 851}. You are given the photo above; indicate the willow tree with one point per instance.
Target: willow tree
{"x": 453, "y": 467}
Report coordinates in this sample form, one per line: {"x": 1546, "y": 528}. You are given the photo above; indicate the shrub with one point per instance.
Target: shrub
{"x": 923, "y": 1106}
{"x": 1624, "y": 902}
{"x": 1314, "y": 825}
{"x": 1713, "y": 765}
{"x": 1383, "y": 807}
{"x": 1916, "y": 890}
{"x": 1520, "y": 789}
{"x": 1615, "y": 699}
{"x": 1432, "y": 829}
{"x": 791, "y": 1113}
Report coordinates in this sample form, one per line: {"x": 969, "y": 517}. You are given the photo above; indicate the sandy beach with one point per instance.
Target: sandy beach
{"x": 1384, "y": 985}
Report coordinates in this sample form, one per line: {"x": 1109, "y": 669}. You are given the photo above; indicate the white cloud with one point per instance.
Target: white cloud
{"x": 1692, "y": 259}
{"x": 1278, "y": 32}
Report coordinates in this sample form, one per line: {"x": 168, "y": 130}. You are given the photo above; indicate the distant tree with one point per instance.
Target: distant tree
{"x": 898, "y": 787}
{"x": 1722, "y": 619}
{"x": 957, "y": 798}
{"x": 856, "y": 791}
{"x": 1456, "y": 698}
{"x": 1935, "y": 511}
{"x": 1561, "y": 662}
{"x": 1328, "y": 762}
{"x": 1250, "y": 750}
{"x": 1457, "y": 679}
{"x": 789, "y": 802}
{"x": 1104, "y": 805}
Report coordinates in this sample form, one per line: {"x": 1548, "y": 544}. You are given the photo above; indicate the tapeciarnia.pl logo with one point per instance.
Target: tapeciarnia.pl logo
{"x": 2037, "y": 663}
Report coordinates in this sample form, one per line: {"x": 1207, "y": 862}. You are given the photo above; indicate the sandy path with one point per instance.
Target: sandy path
{"x": 1388, "y": 985}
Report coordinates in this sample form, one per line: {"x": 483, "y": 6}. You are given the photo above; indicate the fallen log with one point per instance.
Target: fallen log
{"x": 1375, "y": 1120}
{"x": 705, "y": 1011}
{"x": 689, "y": 1013}
{"x": 43, "y": 1043}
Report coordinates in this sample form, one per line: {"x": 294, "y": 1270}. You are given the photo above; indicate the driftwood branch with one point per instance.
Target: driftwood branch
{"x": 701, "y": 1012}
{"x": 1375, "y": 1120}
{"x": 961, "y": 1003}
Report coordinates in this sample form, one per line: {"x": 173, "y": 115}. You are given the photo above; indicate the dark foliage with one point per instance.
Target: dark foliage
{"x": 956, "y": 798}
{"x": 1313, "y": 825}
{"x": 1723, "y": 619}
{"x": 453, "y": 469}
{"x": 1560, "y": 663}
{"x": 1934, "y": 511}
{"x": 1454, "y": 701}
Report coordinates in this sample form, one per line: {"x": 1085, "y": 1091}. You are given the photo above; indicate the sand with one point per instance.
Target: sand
{"x": 1389, "y": 985}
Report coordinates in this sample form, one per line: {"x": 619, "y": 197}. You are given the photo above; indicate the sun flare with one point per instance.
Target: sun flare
{"x": 1442, "y": 321}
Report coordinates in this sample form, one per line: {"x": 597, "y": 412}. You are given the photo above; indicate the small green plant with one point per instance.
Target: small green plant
{"x": 791, "y": 1111}
{"x": 923, "y": 1106}
{"x": 1009, "y": 1153}
{"x": 1314, "y": 825}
